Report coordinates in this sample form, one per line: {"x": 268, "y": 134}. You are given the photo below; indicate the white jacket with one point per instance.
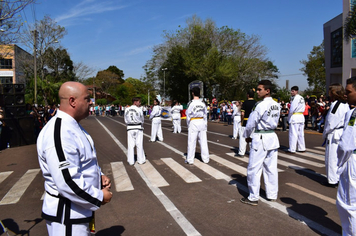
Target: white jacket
{"x": 67, "y": 158}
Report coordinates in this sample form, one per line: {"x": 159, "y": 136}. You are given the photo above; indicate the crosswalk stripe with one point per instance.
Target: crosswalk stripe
{"x": 315, "y": 194}
{"x": 15, "y": 193}
{"x": 229, "y": 164}
{"x": 245, "y": 159}
{"x": 4, "y": 175}
{"x": 316, "y": 151}
{"x": 185, "y": 174}
{"x": 301, "y": 160}
{"x": 320, "y": 148}
{"x": 120, "y": 176}
{"x": 153, "y": 175}
{"x": 315, "y": 156}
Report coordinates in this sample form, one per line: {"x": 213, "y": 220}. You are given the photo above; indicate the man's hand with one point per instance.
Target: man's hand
{"x": 105, "y": 182}
{"x": 248, "y": 140}
{"x": 107, "y": 195}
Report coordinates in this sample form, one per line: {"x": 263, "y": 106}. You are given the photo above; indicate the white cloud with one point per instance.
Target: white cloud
{"x": 138, "y": 50}
{"x": 89, "y": 7}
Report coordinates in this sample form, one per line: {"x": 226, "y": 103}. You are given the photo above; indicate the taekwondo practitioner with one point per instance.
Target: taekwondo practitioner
{"x": 333, "y": 128}
{"x": 134, "y": 119}
{"x": 197, "y": 126}
{"x": 264, "y": 148}
{"x": 75, "y": 186}
{"x": 155, "y": 116}
{"x": 296, "y": 122}
{"x": 237, "y": 119}
{"x": 346, "y": 197}
{"x": 246, "y": 109}
{"x": 176, "y": 117}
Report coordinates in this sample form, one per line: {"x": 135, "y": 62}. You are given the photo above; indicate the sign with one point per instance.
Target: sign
{"x": 8, "y": 73}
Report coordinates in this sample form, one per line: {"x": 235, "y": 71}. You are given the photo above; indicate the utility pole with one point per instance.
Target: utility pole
{"x": 35, "y": 63}
{"x": 164, "y": 85}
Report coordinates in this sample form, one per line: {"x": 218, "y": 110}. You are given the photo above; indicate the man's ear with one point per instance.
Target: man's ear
{"x": 72, "y": 101}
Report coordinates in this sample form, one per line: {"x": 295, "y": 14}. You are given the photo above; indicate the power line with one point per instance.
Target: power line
{"x": 290, "y": 75}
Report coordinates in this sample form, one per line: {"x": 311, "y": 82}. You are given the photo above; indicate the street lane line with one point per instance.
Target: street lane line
{"x": 316, "y": 151}
{"x": 120, "y": 176}
{"x": 15, "y": 193}
{"x": 4, "y": 175}
{"x": 286, "y": 210}
{"x": 315, "y": 194}
{"x": 180, "y": 219}
{"x": 185, "y": 174}
{"x": 320, "y": 148}
{"x": 245, "y": 159}
{"x": 155, "y": 178}
{"x": 239, "y": 169}
{"x": 301, "y": 160}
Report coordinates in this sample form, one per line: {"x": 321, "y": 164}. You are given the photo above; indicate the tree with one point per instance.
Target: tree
{"x": 82, "y": 71}
{"x": 314, "y": 69}
{"x": 47, "y": 33}
{"x": 350, "y": 24}
{"x": 117, "y": 71}
{"x": 58, "y": 65}
{"x": 10, "y": 20}
{"x": 225, "y": 59}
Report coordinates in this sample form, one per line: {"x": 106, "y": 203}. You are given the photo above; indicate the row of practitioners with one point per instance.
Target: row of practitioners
{"x": 76, "y": 187}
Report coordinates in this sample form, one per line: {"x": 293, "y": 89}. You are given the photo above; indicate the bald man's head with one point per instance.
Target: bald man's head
{"x": 74, "y": 100}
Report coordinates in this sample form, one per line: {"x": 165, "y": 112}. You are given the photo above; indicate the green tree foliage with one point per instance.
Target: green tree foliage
{"x": 314, "y": 69}
{"x": 350, "y": 24}
{"x": 228, "y": 61}
{"x": 117, "y": 71}
{"x": 59, "y": 67}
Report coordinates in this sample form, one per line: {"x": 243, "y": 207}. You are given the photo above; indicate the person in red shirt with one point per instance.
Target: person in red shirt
{"x": 306, "y": 114}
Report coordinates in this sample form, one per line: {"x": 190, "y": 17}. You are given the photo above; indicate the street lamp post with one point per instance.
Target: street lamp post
{"x": 164, "y": 85}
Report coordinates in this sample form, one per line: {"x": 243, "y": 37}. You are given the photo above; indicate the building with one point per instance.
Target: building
{"x": 340, "y": 55}
{"x": 12, "y": 59}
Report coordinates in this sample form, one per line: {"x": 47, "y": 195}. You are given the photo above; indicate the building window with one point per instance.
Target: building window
{"x": 5, "y": 63}
{"x": 5, "y": 80}
{"x": 336, "y": 48}
{"x": 353, "y": 48}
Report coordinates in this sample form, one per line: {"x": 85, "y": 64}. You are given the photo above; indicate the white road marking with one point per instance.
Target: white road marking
{"x": 315, "y": 194}
{"x": 4, "y": 175}
{"x": 301, "y": 160}
{"x": 245, "y": 159}
{"x": 320, "y": 148}
{"x": 16, "y": 192}
{"x": 121, "y": 178}
{"x": 185, "y": 225}
{"x": 185, "y": 174}
{"x": 322, "y": 152}
{"x": 153, "y": 175}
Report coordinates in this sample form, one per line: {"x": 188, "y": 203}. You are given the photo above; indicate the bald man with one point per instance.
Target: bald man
{"x": 75, "y": 186}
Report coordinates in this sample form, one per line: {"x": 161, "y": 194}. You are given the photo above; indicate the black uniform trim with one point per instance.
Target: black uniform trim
{"x": 58, "y": 217}
{"x": 65, "y": 172}
{"x": 336, "y": 107}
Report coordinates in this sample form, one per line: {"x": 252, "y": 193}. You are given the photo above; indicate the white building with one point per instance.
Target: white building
{"x": 340, "y": 56}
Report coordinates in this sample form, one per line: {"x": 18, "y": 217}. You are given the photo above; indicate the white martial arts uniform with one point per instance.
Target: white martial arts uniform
{"x": 156, "y": 129}
{"x": 237, "y": 121}
{"x": 296, "y": 122}
{"x": 346, "y": 193}
{"x": 176, "y": 118}
{"x": 247, "y": 107}
{"x": 264, "y": 148}
{"x": 197, "y": 126}
{"x": 134, "y": 119}
{"x": 67, "y": 158}
{"x": 333, "y": 129}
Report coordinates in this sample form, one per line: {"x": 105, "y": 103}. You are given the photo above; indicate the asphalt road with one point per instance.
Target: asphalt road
{"x": 167, "y": 197}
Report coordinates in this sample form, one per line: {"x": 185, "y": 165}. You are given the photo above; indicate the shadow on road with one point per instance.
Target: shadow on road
{"x": 112, "y": 231}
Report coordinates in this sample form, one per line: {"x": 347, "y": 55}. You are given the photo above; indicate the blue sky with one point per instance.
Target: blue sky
{"x": 123, "y": 33}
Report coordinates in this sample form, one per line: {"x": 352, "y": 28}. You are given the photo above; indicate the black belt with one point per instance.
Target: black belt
{"x": 134, "y": 124}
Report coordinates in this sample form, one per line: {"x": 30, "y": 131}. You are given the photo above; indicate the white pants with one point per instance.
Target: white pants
{"x": 197, "y": 130}
{"x": 135, "y": 138}
{"x": 266, "y": 161}
{"x": 237, "y": 125}
{"x": 331, "y": 156}
{"x": 156, "y": 129}
{"x": 177, "y": 125}
{"x": 242, "y": 141}
{"x": 296, "y": 136}
{"x": 58, "y": 229}
{"x": 346, "y": 197}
